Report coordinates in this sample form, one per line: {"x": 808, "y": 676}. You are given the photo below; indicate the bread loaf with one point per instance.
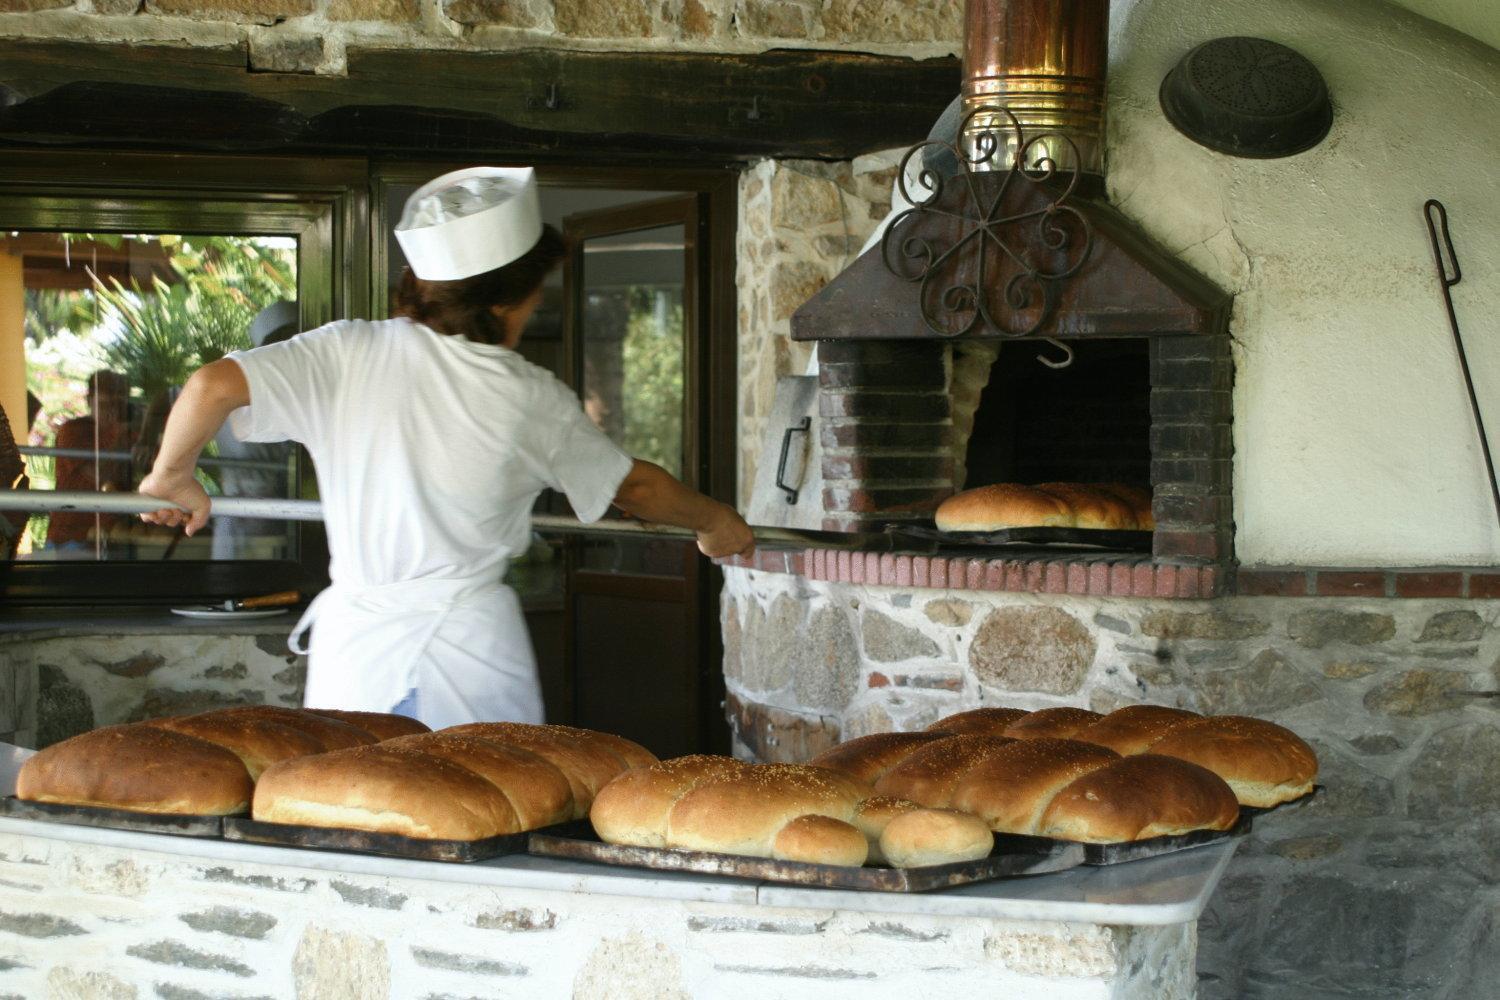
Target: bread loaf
{"x": 923, "y": 837}
{"x": 1265, "y": 764}
{"x": 381, "y": 725}
{"x": 385, "y": 789}
{"x": 537, "y": 791}
{"x": 258, "y": 743}
{"x": 632, "y": 809}
{"x": 1137, "y": 498}
{"x": 1000, "y": 506}
{"x": 978, "y": 722}
{"x": 332, "y": 734}
{"x": 139, "y": 768}
{"x": 1134, "y": 728}
{"x": 1136, "y": 798}
{"x": 866, "y": 759}
{"x": 819, "y": 839}
{"x": 1052, "y": 723}
{"x": 929, "y": 775}
{"x": 1012, "y": 787}
{"x": 742, "y": 813}
{"x": 873, "y": 815}
{"x": 587, "y": 760}
{"x": 1092, "y": 508}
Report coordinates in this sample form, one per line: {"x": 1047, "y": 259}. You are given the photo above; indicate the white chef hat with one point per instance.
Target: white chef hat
{"x": 470, "y": 221}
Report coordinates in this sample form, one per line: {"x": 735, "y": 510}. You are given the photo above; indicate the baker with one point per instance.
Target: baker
{"x": 431, "y": 438}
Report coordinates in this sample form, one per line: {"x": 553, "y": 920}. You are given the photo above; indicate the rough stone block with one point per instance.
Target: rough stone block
{"x": 603, "y": 18}
{"x": 282, "y": 53}
{"x": 332, "y": 965}
{"x": 517, "y": 919}
{"x": 893, "y": 21}
{"x": 452, "y": 961}
{"x": 176, "y": 953}
{"x": 38, "y": 925}
{"x": 1032, "y": 649}
{"x": 231, "y": 921}
{"x": 1419, "y": 692}
{"x": 1202, "y": 625}
{"x": 67, "y": 983}
{"x": 632, "y": 967}
{"x": 505, "y": 13}
{"x": 1452, "y": 626}
{"x": 1267, "y": 684}
{"x": 1317, "y": 627}
{"x": 368, "y": 895}
{"x": 63, "y": 708}
{"x": 774, "y": 19}
{"x": 774, "y": 735}
{"x": 24, "y": 6}
{"x": 887, "y": 641}
{"x": 244, "y": 11}
{"x": 1453, "y": 776}
{"x": 950, "y": 612}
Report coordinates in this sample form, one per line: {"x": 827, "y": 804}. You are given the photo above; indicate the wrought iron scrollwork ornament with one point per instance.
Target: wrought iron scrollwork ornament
{"x": 962, "y": 246}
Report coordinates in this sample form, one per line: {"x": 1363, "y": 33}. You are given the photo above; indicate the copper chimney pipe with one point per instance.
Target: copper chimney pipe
{"x": 1044, "y": 61}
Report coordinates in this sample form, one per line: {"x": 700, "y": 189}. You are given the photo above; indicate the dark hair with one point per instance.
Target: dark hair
{"x": 463, "y": 308}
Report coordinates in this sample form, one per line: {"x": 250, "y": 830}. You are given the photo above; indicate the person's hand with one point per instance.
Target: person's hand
{"x": 187, "y": 502}
{"x": 728, "y": 535}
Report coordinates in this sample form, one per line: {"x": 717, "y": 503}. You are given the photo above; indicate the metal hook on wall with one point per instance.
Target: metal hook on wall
{"x": 1067, "y": 358}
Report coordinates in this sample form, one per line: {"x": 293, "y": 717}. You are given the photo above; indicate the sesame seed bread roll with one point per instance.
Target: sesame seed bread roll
{"x": 632, "y": 809}
{"x": 1092, "y": 508}
{"x": 538, "y": 793}
{"x": 820, "y": 840}
{"x": 333, "y": 734}
{"x": 1052, "y": 723}
{"x": 381, "y": 725}
{"x": 867, "y": 759}
{"x": 979, "y": 722}
{"x": 1264, "y": 763}
{"x": 873, "y": 815}
{"x": 1000, "y": 506}
{"x": 258, "y": 743}
{"x": 742, "y": 814}
{"x": 1010, "y": 790}
{"x": 1137, "y": 498}
{"x": 139, "y": 768}
{"x": 384, "y": 789}
{"x": 924, "y": 837}
{"x": 1139, "y": 797}
{"x": 929, "y": 775}
{"x": 588, "y": 765}
{"x": 1134, "y": 728}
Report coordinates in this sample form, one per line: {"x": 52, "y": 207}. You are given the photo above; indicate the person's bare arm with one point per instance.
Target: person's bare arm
{"x": 215, "y": 391}
{"x": 651, "y": 493}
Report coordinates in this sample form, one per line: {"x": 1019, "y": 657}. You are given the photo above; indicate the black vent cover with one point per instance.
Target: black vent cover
{"x": 1248, "y": 97}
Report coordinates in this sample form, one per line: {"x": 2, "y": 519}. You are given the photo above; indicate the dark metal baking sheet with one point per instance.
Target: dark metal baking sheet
{"x": 1155, "y": 847}
{"x": 1291, "y": 806}
{"x": 1012, "y": 855}
{"x": 1115, "y": 541}
{"x": 113, "y": 819}
{"x": 391, "y": 845}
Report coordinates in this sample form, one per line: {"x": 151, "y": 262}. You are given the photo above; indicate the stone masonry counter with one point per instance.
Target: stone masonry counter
{"x": 87, "y": 912}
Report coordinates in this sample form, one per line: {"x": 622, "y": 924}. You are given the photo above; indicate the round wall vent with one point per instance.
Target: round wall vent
{"x": 1248, "y": 97}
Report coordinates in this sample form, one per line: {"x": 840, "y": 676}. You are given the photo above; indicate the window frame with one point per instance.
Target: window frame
{"x": 323, "y": 203}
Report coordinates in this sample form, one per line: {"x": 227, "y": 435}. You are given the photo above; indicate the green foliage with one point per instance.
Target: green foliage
{"x": 652, "y": 389}
{"x": 53, "y": 310}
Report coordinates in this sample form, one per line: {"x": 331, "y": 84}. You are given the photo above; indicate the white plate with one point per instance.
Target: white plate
{"x": 204, "y": 611}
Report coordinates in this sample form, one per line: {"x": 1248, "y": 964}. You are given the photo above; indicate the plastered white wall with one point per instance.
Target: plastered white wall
{"x": 1353, "y": 438}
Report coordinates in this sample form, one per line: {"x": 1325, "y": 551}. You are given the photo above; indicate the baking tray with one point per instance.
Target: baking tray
{"x": 1291, "y": 806}
{"x": 1155, "y": 847}
{"x": 113, "y": 819}
{"x": 1013, "y": 855}
{"x": 1115, "y": 541}
{"x": 391, "y": 845}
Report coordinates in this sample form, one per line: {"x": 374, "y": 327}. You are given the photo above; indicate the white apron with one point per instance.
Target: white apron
{"x": 462, "y": 643}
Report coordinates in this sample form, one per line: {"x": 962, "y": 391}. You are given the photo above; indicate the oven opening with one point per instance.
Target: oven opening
{"x": 1087, "y": 423}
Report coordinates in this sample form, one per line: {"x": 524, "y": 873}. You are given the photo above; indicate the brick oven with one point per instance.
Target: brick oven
{"x": 1011, "y": 325}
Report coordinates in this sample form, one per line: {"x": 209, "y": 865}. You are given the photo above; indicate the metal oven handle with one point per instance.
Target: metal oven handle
{"x": 786, "y": 449}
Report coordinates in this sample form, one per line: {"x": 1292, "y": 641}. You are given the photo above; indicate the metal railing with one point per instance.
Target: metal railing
{"x": 125, "y": 456}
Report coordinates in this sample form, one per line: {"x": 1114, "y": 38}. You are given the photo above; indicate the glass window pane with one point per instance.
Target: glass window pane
{"x": 633, "y": 341}
{"x": 114, "y": 324}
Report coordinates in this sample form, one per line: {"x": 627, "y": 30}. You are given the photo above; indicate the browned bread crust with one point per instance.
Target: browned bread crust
{"x": 1052, "y": 723}
{"x": 139, "y": 768}
{"x": 1135, "y": 798}
{"x": 1010, "y": 789}
{"x": 920, "y": 837}
{"x": 537, "y": 791}
{"x": 381, "y": 725}
{"x": 978, "y": 722}
{"x": 1092, "y": 508}
{"x": 385, "y": 789}
{"x": 1000, "y": 506}
{"x": 333, "y": 734}
{"x": 866, "y": 759}
{"x": 1134, "y": 728}
{"x": 1137, "y": 498}
{"x": 588, "y": 764}
{"x": 929, "y": 775}
{"x": 1264, "y": 763}
{"x": 632, "y": 809}
{"x": 819, "y": 839}
{"x": 258, "y": 743}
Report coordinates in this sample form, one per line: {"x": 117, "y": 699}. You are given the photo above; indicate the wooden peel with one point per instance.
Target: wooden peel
{"x": 279, "y": 599}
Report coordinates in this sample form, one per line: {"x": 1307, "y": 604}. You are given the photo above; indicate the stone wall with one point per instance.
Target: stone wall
{"x": 801, "y": 223}
{"x": 1383, "y": 886}
{"x": 80, "y": 920}
{"x": 312, "y": 36}
{"x": 66, "y": 684}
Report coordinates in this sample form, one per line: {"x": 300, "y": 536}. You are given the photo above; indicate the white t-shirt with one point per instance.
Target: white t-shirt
{"x": 430, "y": 450}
